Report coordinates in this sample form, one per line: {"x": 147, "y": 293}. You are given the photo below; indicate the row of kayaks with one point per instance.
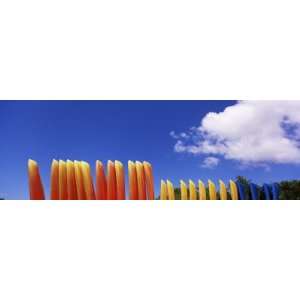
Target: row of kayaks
{"x": 269, "y": 191}
{"x": 73, "y": 180}
{"x": 235, "y": 191}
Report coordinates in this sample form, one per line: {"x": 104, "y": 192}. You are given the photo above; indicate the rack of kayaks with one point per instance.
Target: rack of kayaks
{"x": 73, "y": 180}
{"x": 235, "y": 191}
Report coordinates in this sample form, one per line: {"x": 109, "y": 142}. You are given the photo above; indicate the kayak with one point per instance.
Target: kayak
{"x": 202, "y": 190}
{"x": 212, "y": 190}
{"x": 267, "y": 191}
{"x": 233, "y": 190}
{"x": 223, "y": 191}
{"x": 275, "y": 191}
{"x": 241, "y": 191}
{"x": 254, "y": 191}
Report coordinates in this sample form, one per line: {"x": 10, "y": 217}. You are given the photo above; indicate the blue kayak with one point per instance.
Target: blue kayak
{"x": 275, "y": 191}
{"x": 254, "y": 194}
{"x": 241, "y": 191}
{"x": 267, "y": 191}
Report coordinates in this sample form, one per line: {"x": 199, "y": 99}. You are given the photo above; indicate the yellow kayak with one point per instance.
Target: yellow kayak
{"x": 183, "y": 190}
{"x": 170, "y": 189}
{"x": 212, "y": 190}
{"x": 233, "y": 190}
{"x": 192, "y": 188}
{"x": 223, "y": 190}
{"x": 202, "y": 190}
{"x": 163, "y": 191}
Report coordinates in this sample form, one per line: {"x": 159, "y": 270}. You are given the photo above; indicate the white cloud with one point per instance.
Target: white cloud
{"x": 249, "y": 132}
{"x": 182, "y": 135}
{"x": 173, "y": 134}
{"x": 210, "y": 162}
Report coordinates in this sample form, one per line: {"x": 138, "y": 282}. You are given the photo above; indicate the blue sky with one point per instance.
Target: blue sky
{"x": 123, "y": 130}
